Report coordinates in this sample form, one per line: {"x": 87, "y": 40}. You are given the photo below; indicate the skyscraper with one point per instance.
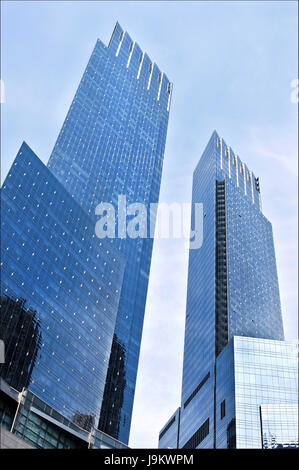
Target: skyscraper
{"x": 112, "y": 143}
{"x": 232, "y": 289}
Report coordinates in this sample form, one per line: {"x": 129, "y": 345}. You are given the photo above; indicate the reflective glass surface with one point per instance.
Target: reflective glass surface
{"x": 111, "y": 143}
{"x": 169, "y": 434}
{"x": 279, "y": 426}
{"x": 225, "y": 392}
{"x": 258, "y": 379}
{"x": 266, "y": 373}
{"x": 200, "y": 309}
{"x": 34, "y": 421}
{"x": 232, "y": 289}
{"x": 60, "y": 289}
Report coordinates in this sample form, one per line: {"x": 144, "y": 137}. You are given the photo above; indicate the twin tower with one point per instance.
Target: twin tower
{"x": 72, "y": 306}
{"x": 239, "y": 386}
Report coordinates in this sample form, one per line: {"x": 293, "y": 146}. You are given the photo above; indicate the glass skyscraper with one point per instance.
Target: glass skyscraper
{"x": 26, "y": 421}
{"x": 112, "y": 143}
{"x": 232, "y": 291}
{"x": 60, "y": 290}
{"x": 257, "y": 394}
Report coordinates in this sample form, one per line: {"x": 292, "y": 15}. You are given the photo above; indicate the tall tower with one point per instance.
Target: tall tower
{"x": 112, "y": 143}
{"x": 232, "y": 284}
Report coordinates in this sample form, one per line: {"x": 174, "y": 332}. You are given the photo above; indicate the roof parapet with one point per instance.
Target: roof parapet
{"x": 237, "y": 170}
{"x": 123, "y": 46}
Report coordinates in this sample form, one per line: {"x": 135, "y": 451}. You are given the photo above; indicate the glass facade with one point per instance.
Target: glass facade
{"x": 33, "y": 421}
{"x": 60, "y": 289}
{"x": 258, "y": 379}
{"x": 279, "y": 426}
{"x": 265, "y": 373}
{"x": 169, "y": 435}
{"x": 225, "y": 393}
{"x": 232, "y": 291}
{"x": 112, "y": 143}
{"x": 256, "y": 398}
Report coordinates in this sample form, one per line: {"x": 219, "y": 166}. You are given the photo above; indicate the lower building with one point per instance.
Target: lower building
{"x": 26, "y": 421}
{"x": 256, "y": 399}
{"x": 59, "y": 295}
{"x": 169, "y": 435}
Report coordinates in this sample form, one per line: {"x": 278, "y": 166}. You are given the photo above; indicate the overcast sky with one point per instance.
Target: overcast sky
{"x": 231, "y": 64}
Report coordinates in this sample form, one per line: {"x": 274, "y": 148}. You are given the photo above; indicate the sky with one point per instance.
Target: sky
{"x": 231, "y": 64}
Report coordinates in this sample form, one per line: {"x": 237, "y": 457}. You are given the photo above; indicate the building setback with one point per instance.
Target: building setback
{"x": 60, "y": 289}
